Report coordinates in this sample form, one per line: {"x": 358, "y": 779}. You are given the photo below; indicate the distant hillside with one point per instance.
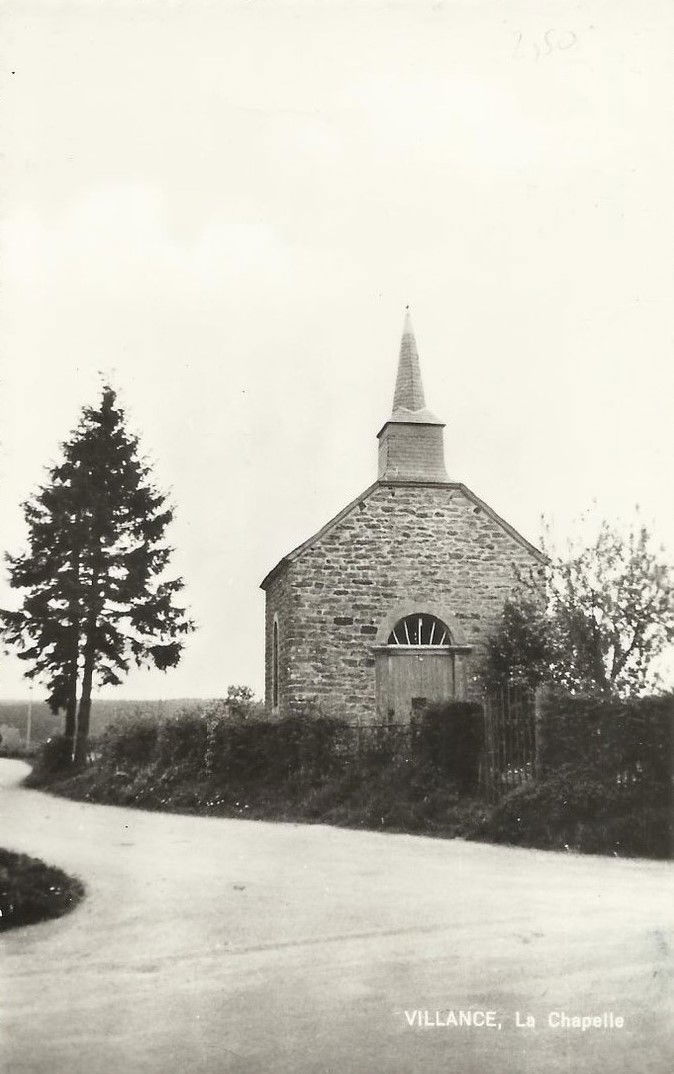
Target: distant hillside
{"x": 13, "y": 714}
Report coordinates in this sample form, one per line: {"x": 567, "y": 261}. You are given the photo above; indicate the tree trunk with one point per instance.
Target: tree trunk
{"x": 84, "y": 714}
{"x": 71, "y": 720}
{"x": 91, "y": 623}
{"x": 71, "y": 700}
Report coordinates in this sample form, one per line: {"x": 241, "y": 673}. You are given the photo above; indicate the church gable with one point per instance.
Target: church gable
{"x": 341, "y": 521}
{"x": 433, "y": 520}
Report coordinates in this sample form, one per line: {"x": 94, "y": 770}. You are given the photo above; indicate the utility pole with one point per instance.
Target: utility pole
{"x": 29, "y": 715}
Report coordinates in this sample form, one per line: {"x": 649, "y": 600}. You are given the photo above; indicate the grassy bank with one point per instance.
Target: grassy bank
{"x": 566, "y": 812}
{"x": 31, "y": 891}
{"x": 396, "y": 797}
{"x": 579, "y": 809}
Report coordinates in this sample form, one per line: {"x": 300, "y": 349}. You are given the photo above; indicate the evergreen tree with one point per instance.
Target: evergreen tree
{"x": 96, "y": 599}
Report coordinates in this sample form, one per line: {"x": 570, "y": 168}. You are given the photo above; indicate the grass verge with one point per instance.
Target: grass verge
{"x": 397, "y": 797}
{"x": 568, "y": 811}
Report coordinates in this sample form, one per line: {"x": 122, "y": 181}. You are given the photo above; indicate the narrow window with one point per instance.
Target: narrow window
{"x": 274, "y": 666}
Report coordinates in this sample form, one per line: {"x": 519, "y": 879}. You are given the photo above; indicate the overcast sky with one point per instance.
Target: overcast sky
{"x": 225, "y": 208}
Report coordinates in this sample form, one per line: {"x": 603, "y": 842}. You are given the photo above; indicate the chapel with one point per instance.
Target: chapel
{"x": 388, "y": 607}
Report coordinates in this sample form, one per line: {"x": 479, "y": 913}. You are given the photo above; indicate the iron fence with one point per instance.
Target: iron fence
{"x": 509, "y": 757}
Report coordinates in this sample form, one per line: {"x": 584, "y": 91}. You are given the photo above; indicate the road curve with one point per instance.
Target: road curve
{"x": 209, "y": 945}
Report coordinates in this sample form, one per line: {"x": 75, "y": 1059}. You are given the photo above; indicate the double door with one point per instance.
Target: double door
{"x": 409, "y": 678}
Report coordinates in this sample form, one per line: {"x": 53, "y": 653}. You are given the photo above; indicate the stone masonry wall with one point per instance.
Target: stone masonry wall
{"x": 402, "y": 545}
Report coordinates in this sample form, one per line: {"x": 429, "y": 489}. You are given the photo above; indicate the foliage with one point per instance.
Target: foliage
{"x": 31, "y": 891}
{"x": 242, "y": 703}
{"x": 521, "y": 649}
{"x": 266, "y": 751}
{"x": 629, "y": 741}
{"x": 10, "y": 738}
{"x": 604, "y": 781}
{"x": 575, "y": 808}
{"x": 182, "y": 740}
{"x": 402, "y": 794}
{"x": 207, "y": 739}
{"x": 130, "y": 741}
{"x": 590, "y": 621}
{"x": 452, "y": 738}
{"x": 54, "y": 757}
{"x": 96, "y": 597}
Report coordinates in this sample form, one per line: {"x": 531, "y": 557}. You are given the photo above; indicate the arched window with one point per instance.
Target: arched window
{"x": 274, "y": 666}
{"x": 421, "y": 629}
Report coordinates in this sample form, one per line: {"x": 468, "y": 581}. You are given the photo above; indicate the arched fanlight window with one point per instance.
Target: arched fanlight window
{"x": 274, "y": 666}
{"x": 420, "y": 629}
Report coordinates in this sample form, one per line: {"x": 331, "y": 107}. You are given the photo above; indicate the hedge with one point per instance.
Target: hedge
{"x": 578, "y": 809}
{"x": 206, "y": 741}
{"x": 627, "y": 743}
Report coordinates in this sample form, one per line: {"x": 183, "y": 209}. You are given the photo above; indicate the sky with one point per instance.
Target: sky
{"x": 225, "y": 208}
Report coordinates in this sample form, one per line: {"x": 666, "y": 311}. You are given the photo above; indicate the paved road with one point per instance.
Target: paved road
{"x": 212, "y": 945}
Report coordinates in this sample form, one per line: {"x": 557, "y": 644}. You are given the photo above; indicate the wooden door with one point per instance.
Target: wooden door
{"x": 406, "y": 679}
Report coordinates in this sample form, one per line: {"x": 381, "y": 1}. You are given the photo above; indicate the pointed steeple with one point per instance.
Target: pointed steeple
{"x": 411, "y": 441}
{"x": 409, "y": 391}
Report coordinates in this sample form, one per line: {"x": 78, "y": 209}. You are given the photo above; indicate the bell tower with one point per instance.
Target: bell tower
{"x": 411, "y": 441}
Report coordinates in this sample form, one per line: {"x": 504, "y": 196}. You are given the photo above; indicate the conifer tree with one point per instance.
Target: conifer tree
{"x": 96, "y": 598}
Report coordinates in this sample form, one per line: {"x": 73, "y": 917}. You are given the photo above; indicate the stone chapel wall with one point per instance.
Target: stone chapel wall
{"x": 402, "y": 545}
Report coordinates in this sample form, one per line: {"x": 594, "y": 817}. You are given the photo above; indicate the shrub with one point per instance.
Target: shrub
{"x": 54, "y": 756}
{"x": 242, "y": 703}
{"x": 10, "y": 739}
{"x": 629, "y": 740}
{"x": 579, "y": 809}
{"x": 131, "y": 741}
{"x": 452, "y": 737}
{"x": 259, "y": 750}
{"x": 182, "y": 740}
{"x": 31, "y": 891}
{"x": 404, "y": 795}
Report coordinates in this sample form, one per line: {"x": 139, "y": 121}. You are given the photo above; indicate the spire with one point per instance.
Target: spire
{"x": 409, "y": 391}
{"x": 411, "y": 441}
{"x": 409, "y": 402}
